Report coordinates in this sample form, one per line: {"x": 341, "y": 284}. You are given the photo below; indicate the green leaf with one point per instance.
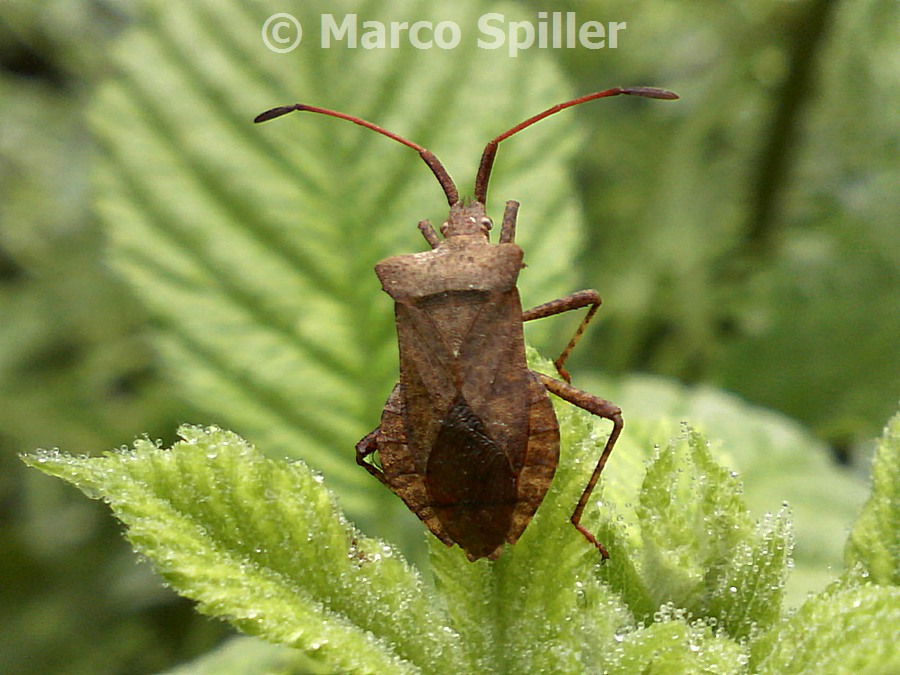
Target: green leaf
{"x": 778, "y": 461}
{"x": 672, "y": 646}
{"x": 682, "y": 545}
{"x": 873, "y": 547}
{"x": 700, "y": 549}
{"x": 847, "y": 629}
{"x": 259, "y": 543}
{"x": 251, "y": 656}
{"x": 697, "y": 588}
{"x": 747, "y": 591}
{"x": 253, "y": 245}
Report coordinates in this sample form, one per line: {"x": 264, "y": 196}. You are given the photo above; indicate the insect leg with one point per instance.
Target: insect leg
{"x": 573, "y": 301}
{"x": 366, "y": 447}
{"x": 601, "y": 408}
{"x": 427, "y": 230}
{"x": 508, "y": 228}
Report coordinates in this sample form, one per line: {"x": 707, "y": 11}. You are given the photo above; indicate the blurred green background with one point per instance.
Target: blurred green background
{"x": 743, "y": 237}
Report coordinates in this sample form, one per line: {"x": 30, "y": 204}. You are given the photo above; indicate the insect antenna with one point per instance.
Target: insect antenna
{"x": 490, "y": 151}
{"x": 427, "y": 156}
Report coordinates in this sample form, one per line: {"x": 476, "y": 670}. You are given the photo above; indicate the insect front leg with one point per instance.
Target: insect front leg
{"x": 508, "y": 227}
{"x": 389, "y": 434}
{"x": 588, "y": 298}
{"x": 601, "y": 408}
{"x": 427, "y": 230}
{"x": 367, "y": 447}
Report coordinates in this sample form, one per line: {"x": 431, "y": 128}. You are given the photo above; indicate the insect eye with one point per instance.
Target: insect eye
{"x": 487, "y": 223}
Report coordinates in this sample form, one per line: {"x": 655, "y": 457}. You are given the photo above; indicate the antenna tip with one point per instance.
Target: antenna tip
{"x": 651, "y": 92}
{"x": 276, "y": 112}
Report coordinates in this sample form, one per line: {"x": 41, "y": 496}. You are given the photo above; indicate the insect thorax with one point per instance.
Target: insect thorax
{"x": 455, "y": 266}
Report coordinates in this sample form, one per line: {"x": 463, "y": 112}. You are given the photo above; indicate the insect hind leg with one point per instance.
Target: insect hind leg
{"x": 601, "y": 408}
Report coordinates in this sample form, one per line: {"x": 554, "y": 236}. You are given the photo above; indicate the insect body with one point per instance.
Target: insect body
{"x": 468, "y": 437}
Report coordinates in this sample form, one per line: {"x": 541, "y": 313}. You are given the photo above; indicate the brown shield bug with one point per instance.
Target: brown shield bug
{"x": 468, "y": 438}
